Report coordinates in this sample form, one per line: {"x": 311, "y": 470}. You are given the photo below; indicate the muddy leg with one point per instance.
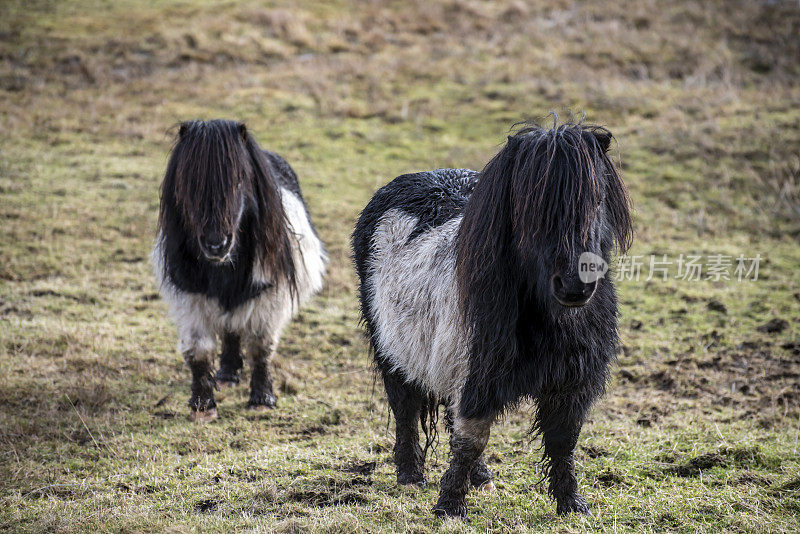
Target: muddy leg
{"x": 262, "y": 396}
{"x": 230, "y": 361}
{"x": 467, "y": 443}
{"x": 560, "y": 422}
{"x": 480, "y": 477}
{"x": 202, "y": 404}
{"x": 406, "y": 402}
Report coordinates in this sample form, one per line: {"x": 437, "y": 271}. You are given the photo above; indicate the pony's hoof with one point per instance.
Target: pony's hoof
{"x": 203, "y": 416}
{"x": 573, "y": 505}
{"x": 455, "y": 509}
{"x": 262, "y": 402}
{"x": 227, "y": 378}
{"x": 486, "y": 486}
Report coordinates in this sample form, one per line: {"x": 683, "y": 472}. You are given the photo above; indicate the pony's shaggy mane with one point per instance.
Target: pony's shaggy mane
{"x": 539, "y": 197}
{"x": 211, "y": 162}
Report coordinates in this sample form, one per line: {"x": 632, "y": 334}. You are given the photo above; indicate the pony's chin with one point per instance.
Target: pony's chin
{"x": 572, "y": 305}
{"x": 566, "y": 311}
{"x": 218, "y": 260}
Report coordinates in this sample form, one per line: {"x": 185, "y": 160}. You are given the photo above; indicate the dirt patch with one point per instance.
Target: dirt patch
{"x": 663, "y": 380}
{"x": 725, "y": 457}
{"x": 10, "y": 309}
{"x": 608, "y": 477}
{"x": 83, "y": 299}
{"x": 593, "y": 451}
{"x": 359, "y": 468}
{"x": 698, "y": 464}
{"x": 794, "y": 348}
{"x": 314, "y": 430}
{"x": 206, "y": 505}
{"x": 757, "y": 377}
{"x": 248, "y": 475}
{"x": 791, "y": 486}
{"x": 717, "y": 306}
{"x": 750, "y": 478}
{"x": 321, "y": 499}
{"x": 331, "y": 492}
{"x": 775, "y": 326}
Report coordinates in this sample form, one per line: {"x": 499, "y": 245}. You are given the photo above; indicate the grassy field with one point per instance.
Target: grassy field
{"x": 700, "y": 429}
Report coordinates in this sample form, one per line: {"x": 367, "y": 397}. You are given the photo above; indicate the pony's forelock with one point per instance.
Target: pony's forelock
{"x": 208, "y": 164}
{"x": 556, "y": 185}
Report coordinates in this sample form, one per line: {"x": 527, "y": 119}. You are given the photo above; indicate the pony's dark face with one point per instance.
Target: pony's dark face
{"x": 569, "y": 207}
{"x": 212, "y": 184}
{"x": 574, "y": 265}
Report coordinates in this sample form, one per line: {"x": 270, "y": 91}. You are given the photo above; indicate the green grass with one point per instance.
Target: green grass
{"x": 700, "y": 428}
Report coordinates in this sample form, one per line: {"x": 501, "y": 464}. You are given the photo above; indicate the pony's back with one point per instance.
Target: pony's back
{"x": 433, "y": 197}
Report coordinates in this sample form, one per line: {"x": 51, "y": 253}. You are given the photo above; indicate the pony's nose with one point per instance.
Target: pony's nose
{"x": 572, "y": 292}
{"x": 216, "y": 244}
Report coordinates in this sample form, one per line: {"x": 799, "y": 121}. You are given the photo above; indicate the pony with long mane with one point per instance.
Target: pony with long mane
{"x": 236, "y": 255}
{"x": 474, "y": 296}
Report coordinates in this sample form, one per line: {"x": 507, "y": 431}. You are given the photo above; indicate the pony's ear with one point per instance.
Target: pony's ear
{"x": 603, "y": 137}
{"x": 242, "y": 131}
{"x": 182, "y": 130}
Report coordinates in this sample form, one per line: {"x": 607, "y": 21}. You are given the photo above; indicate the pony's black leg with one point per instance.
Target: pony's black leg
{"x": 467, "y": 443}
{"x": 560, "y": 421}
{"x": 262, "y": 395}
{"x": 407, "y": 402}
{"x": 230, "y": 360}
{"x": 480, "y": 476}
{"x": 202, "y": 404}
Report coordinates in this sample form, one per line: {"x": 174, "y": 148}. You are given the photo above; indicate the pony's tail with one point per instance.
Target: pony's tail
{"x": 429, "y": 418}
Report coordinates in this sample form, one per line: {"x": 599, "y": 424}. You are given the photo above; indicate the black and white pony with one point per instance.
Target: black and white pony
{"x": 472, "y": 298}
{"x": 235, "y": 256}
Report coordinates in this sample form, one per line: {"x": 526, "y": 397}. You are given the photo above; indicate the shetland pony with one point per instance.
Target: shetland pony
{"x": 235, "y": 256}
{"x": 472, "y": 298}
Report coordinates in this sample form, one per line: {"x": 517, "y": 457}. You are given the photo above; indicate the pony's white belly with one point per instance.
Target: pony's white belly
{"x": 415, "y": 303}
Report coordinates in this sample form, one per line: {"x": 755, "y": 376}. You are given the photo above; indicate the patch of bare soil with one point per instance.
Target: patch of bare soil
{"x": 328, "y": 492}
{"x": 726, "y": 456}
{"x": 359, "y": 468}
{"x": 760, "y": 378}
